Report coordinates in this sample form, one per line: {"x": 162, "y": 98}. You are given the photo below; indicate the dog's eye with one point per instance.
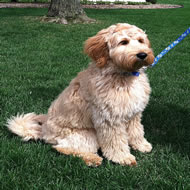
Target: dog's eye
{"x": 141, "y": 41}
{"x": 124, "y": 42}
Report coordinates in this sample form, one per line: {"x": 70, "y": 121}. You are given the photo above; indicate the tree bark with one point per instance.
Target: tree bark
{"x": 67, "y": 11}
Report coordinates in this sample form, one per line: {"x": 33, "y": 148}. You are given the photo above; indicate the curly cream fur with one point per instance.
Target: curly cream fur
{"x": 102, "y": 106}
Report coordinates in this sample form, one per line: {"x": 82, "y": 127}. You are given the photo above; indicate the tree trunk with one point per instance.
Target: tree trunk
{"x": 67, "y": 11}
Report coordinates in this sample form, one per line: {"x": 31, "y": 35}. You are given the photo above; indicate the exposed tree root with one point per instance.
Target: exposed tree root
{"x": 80, "y": 19}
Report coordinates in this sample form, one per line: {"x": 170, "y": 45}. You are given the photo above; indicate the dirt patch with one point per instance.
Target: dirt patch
{"x": 112, "y": 6}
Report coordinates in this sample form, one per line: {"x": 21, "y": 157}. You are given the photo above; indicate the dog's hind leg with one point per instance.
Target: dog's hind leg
{"x": 91, "y": 159}
{"x": 82, "y": 143}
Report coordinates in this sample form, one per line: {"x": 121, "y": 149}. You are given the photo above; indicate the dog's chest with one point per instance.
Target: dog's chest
{"x": 122, "y": 102}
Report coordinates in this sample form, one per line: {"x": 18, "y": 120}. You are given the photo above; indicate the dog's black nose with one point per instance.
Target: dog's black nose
{"x": 142, "y": 55}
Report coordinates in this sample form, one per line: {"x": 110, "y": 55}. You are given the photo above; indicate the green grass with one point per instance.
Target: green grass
{"x": 38, "y": 60}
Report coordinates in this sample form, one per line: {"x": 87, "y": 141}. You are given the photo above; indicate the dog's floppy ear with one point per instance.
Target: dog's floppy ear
{"x": 96, "y": 48}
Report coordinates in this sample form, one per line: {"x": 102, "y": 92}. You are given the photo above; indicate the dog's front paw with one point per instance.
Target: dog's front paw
{"x": 143, "y": 146}
{"x": 129, "y": 159}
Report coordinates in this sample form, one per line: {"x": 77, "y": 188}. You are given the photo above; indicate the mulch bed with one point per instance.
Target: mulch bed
{"x": 24, "y": 5}
{"x": 152, "y": 6}
{"x": 112, "y": 6}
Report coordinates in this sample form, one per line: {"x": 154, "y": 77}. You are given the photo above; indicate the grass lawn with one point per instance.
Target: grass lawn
{"x": 38, "y": 60}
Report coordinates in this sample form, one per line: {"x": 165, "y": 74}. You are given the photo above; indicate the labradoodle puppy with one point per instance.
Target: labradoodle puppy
{"x": 103, "y": 105}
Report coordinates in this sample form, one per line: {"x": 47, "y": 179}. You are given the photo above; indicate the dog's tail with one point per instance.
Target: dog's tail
{"x": 28, "y": 126}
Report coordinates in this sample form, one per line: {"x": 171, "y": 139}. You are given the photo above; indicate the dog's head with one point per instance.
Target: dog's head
{"x": 127, "y": 46}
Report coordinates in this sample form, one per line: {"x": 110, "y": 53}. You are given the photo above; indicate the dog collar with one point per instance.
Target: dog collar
{"x": 135, "y": 73}
{"x": 127, "y": 74}
{"x": 166, "y": 50}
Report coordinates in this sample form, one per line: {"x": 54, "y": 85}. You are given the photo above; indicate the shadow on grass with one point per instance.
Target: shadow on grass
{"x": 168, "y": 125}
{"x": 45, "y": 93}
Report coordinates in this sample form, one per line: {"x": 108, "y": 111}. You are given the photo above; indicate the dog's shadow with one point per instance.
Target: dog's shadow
{"x": 46, "y": 94}
{"x": 168, "y": 125}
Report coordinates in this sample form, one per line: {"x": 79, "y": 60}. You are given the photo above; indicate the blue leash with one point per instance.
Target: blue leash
{"x": 166, "y": 50}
